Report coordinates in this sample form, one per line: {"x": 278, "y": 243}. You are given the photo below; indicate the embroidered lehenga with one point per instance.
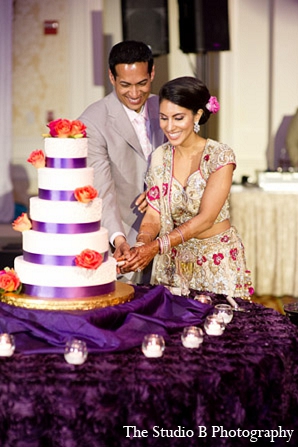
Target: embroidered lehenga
{"x": 220, "y": 265}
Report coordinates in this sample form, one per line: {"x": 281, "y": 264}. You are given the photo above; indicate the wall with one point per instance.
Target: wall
{"x": 256, "y": 81}
{"x": 258, "y": 84}
{"x": 52, "y": 74}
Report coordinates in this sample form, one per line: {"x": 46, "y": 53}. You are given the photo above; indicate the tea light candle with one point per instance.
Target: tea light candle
{"x": 153, "y": 345}
{"x": 224, "y": 310}
{"x": 214, "y": 325}
{"x": 203, "y": 299}
{"x": 192, "y": 337}
{"x": 7, "y": 345}
{"x": 75, "y": 352}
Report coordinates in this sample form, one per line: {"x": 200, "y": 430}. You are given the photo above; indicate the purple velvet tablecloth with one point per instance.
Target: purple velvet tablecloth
{"x": 246, "y": 379}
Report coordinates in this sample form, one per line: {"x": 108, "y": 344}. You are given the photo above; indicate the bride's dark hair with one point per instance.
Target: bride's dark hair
{"x": 187, "y": 92}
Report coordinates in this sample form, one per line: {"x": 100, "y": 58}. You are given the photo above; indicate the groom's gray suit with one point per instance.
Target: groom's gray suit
{"x": 118, "y": 161}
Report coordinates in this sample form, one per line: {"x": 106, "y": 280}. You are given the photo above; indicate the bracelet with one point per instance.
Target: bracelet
{"x": 181, "y": 234}
{"x": 160, "y": 251}
{"x": 164, "y": 244}
{"x": 167, "y": 243}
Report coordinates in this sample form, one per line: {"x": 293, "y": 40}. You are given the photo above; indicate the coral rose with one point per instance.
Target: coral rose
{"x": 22, "y": 223}
{"x": 89, "y": 259}
{"x": 85, "y": 194}
{"x": 9, "y": 281}
{"x": 78, "y": 129}
{"x": 60, "y": 128}
{"x": 37, "y": 159}
{"x": 63, "y": 128}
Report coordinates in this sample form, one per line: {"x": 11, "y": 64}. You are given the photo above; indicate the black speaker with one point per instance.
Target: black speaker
{"x": 203, "y": 25}
{"x": 146, "y": 21}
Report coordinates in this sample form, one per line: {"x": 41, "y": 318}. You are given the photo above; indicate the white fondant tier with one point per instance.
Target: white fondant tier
{"x": 51, "y": 250}
{"x": 66, "y": 147}
{"x": 61, "y": 276}
{"x": 64, "y": 179}
{"x": 65, "y": 212}
{"x": 65, "y": 244}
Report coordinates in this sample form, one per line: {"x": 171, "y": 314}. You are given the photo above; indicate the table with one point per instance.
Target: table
{"x": 246, "y": 379}
{"x": 267, "y": 223}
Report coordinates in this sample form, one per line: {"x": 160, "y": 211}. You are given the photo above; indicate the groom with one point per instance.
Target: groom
{"x": 118, "y": 147}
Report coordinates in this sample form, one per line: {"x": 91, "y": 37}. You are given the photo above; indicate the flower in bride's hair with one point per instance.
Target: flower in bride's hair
{"x": 213, "y": 105}
{"x": 9, "y": 281}
{"x": 22, "y": 223}
{"x": 89, "y": 259}
{"x": 37, "y": 159}
{"x": 85, "y": 194}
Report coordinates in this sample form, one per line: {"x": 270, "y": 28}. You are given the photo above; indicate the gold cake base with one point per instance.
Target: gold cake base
{"x": 122, "y": 294}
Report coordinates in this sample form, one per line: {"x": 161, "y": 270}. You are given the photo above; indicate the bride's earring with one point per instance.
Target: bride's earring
{"x": 196, "y": 127}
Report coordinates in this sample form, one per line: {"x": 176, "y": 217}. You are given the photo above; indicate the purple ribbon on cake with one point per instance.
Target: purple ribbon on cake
{"x": 66, "y": 163}
{"x": 50, "y": 194}
{"x": 68, "y": 292}
{"x": 65, "y": 228}
{"x": 43, "y": 259}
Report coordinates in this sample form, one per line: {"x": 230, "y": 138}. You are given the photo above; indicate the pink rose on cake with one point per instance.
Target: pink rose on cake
{"x": 37, "y": 159}
{"x": 85, "y": 194}
{"x": 22, "y": 223}
{"x": 9, "y": 281}
{"x": 63, "y": 128}
{"x": 89, "y": 259}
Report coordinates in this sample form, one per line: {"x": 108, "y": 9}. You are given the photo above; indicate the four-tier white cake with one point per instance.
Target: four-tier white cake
{"x": 63, "y": 228}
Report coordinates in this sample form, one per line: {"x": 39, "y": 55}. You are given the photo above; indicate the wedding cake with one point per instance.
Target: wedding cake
{"x": 65, "y": 249}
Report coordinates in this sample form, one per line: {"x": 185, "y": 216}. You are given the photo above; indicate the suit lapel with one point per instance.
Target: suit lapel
{"x": 122, "y": 125}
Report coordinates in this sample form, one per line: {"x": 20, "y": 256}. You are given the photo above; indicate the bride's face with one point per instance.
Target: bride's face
{"x": 177, "y": 123}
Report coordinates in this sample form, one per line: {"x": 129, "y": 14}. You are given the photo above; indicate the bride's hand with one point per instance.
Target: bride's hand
{"x": 140, "y": 257}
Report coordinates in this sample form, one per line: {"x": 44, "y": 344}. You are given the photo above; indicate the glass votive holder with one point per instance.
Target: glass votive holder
{"x": 225, "y": 310}
{"x": 203, "y": 299}
{"x": 214, "y": 325}
{"x": 153, "y": 345}
{"x": 75, "y": 351}
{"x": 7, "y": 345}
{"x": 192, "y": 337}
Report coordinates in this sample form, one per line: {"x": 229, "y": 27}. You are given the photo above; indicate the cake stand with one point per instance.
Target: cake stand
{"x": 122, "y": 294}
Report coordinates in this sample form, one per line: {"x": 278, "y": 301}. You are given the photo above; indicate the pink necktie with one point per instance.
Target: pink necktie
{"x": 140, "y": 122}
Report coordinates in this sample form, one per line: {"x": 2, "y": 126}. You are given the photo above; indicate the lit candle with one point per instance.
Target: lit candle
{"x": 75, "y": 358}
{"x": 213, "y": 325}
{"x": 7, "y": 345}
{"x": 225, "y": 311}
{"x": 192, "y": 337}
{"x": 203, "y": 299}
{"x": 75, "y": 352}
{"x": 153, "y": 345}
{"x": 153, "y": 351}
